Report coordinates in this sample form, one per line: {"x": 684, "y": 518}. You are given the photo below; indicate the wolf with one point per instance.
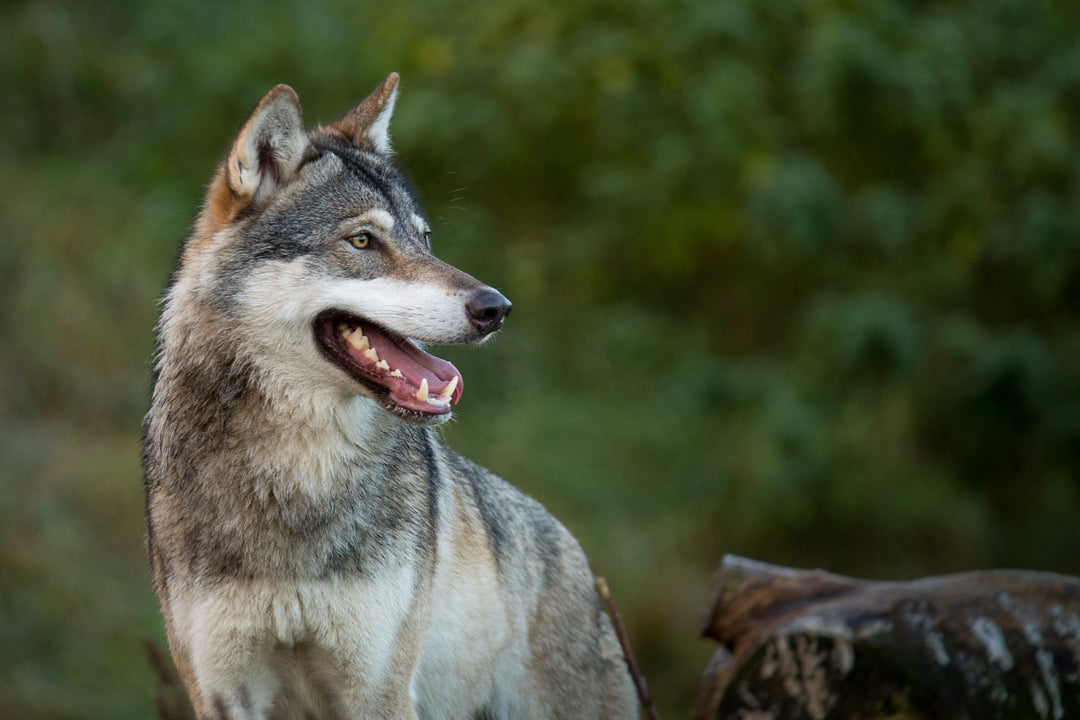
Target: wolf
{"x": 316, "y": 550}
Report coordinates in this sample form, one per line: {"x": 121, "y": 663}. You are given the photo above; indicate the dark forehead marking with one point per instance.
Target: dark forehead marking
{"x": 376, "y": 173}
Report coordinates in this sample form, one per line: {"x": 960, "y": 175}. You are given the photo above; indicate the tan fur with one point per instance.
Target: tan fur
{"x": 220, "y": 209}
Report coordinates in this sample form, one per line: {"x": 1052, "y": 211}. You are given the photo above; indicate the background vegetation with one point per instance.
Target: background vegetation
{"x": 795, "y": 279}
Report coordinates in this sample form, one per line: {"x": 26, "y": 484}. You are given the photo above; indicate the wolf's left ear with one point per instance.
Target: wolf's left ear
{"x": 269, "y": 147}
{"x": 368, "y": 124}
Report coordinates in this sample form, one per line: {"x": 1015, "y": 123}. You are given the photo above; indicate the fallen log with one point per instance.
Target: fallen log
{"x": 810, "y": 644}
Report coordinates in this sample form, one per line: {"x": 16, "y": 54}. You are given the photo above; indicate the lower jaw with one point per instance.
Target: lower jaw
{"x": 380, "y": 396}
{"x": 419, "y": 418}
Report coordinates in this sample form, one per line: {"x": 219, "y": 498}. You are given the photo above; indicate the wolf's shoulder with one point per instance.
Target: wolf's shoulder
{"x": 493, "y": 493}
{"x": 524, "y": 537}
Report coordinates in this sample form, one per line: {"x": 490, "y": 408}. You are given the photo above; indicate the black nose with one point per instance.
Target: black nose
{"x": 487, "y": 308}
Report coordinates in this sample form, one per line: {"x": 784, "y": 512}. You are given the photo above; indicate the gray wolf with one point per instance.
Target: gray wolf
{"x": 316, "y": 550}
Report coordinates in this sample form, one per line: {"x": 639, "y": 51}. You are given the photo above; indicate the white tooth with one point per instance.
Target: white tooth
{"x": 371, "y": 355}
{"x": 358, "y": 340}
{"x": 421, "y": 394}
{"x": 382, "y": 365}
{"x": 344, "y": 329}
{"x": 447, "y": 392}
{"x": 396, "y": 373}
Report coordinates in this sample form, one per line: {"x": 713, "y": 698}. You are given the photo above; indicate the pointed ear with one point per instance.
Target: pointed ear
{"x": 368, "y": 124}
{"x": 269, "y": 148}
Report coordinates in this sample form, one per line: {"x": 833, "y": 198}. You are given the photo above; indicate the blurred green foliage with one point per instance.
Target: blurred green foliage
{"x": 796, "y": 279}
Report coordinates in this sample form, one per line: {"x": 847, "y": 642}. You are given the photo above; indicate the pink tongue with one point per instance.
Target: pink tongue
{"x": 415, "y": 366}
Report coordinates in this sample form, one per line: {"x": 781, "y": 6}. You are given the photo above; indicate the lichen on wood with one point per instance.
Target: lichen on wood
{"x": 810, "y": 644}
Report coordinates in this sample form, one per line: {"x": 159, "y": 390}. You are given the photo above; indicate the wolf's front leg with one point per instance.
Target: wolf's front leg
{"x": 234, "y": 677}
{"x": 355, "y": 700}
{"x": 367, "y": 672}
{"x": 363, "y": 638}
{"x": 256, "y": 679}
{"x": 228, "y": 646}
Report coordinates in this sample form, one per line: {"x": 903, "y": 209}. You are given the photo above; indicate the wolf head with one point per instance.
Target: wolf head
{"x": 312, "y": 248}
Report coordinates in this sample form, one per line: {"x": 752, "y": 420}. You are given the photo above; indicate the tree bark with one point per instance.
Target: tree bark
{"x": 810, "y": 644}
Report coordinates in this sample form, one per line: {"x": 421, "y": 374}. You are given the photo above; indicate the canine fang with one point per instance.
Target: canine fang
{"x": 447, "y": 392}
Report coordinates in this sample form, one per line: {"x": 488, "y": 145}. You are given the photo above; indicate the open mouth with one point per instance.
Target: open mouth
{"x": 408, "y": 379}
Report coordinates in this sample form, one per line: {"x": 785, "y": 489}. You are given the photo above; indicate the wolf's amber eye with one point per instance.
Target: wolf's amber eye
{"x": 360, "y": 241}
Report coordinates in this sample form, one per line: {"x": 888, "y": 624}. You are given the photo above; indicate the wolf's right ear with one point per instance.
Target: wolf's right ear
{"x": 368, "y": 124}
{"x": 269, "y": 148}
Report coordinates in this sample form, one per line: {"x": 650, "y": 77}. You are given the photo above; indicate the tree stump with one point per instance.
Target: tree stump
{"x": 809, "y": 644}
